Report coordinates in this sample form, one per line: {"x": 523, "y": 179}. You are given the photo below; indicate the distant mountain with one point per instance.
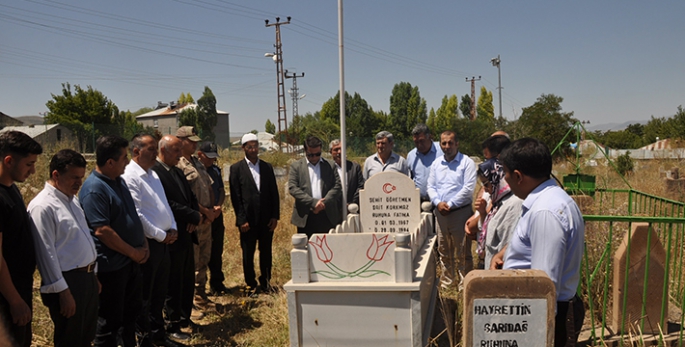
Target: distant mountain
{"x": 30, "y": 120}
{"x": 613, "y": 126}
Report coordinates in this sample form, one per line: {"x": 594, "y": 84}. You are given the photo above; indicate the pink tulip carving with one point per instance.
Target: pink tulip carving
{"x": 323, "y": 252}
{"x": 378, "y": 248}
{"x": 375, "y": 253}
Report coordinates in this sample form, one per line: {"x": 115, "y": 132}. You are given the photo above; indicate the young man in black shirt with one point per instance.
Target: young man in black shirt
{"x": 18, "y": 152}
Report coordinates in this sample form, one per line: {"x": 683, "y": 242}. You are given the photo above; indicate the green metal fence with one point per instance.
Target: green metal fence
{"x": 612, "y": 215}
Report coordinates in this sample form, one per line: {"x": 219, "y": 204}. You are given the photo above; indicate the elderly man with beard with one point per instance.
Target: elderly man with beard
{"x": 256, "y": 202}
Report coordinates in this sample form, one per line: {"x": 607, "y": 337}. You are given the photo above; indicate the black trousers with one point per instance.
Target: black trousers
{"x": 216, "y": 274}
{"x": 155, "y": 285}
{"x": 568, "y": 322}
{"x": 179, "y": 301}
{"x": 21, "y": 335}
{"x": 316, "y": 224}
{"x": 121, "y": 300}
{"x": 248, "y": 242}
{"x": 79, "y": 329}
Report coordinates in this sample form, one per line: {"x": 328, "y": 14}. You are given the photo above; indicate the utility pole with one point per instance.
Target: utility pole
{"x": 496, "y": 62}
{"x": 294, "y": 90}
{"x": 473, "y": 96}
{"x": 280, "y": 77}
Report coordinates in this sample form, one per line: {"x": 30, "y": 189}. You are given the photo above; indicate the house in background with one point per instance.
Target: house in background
{"x": 6, "y": 120}
{"x": 47, "y": 135}
{"x": 267, "y": 142}
{"x": 165, "y": 120}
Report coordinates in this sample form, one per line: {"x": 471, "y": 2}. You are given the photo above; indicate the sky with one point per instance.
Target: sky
{"x": 611, "y": 61}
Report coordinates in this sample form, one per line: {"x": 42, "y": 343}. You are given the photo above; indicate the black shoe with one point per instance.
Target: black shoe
{"x": 267, "y": 289}
{"x": 218, "y": 290}
{"x": 167, "y": 342}
{"x": 145, "y": 342}
{"x": 178, "y": 335}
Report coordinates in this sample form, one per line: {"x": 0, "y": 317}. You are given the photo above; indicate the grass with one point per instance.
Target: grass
{"x": 263, "y": 321}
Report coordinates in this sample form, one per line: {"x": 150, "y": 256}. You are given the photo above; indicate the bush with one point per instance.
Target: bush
{"x": 624, "y": 164}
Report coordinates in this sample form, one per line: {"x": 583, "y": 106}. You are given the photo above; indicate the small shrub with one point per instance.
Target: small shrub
{"x": 624, "y": 164}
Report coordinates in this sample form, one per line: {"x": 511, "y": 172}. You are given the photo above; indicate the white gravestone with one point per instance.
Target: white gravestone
{"x": 389, "y": 203}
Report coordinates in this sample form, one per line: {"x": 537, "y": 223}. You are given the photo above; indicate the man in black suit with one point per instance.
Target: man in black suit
{"x": 317, "y": 191}
{"x": 187, "y": 215}
{"x": 355, "y": 179}
{"x": 256, "y": 202}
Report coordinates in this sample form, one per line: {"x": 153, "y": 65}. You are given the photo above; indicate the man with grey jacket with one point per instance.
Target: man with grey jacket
{"x": 317, "y": 191}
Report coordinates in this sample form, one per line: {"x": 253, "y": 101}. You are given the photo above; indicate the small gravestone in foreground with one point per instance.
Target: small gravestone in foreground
{"x": 508, "y": 308}
{"x": 632, "y": 288}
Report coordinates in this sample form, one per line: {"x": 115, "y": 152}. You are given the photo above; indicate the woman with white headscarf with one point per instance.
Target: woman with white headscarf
{"x": 505, "y": 211}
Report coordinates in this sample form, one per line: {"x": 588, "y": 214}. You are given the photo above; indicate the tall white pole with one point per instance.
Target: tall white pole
{"x": 343, "y": 130}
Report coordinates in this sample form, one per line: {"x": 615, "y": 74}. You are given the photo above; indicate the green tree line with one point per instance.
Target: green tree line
{"x": 89, "y": 114}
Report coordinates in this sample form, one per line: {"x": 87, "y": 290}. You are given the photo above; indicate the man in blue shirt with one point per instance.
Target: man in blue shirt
{"x": 422, "y": 157}
{"x": 120, "y": 242}
{"x": 550, "y": 234}
{"x": 451, "y": 183}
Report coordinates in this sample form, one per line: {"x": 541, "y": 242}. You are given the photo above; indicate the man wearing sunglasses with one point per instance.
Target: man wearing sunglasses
{"x": 317, "y": 191}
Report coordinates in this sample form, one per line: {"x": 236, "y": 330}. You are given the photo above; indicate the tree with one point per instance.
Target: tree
{"x": 188, "y": 116}
{"x": 407, "y": 108}
{"x": 430, "y": 122}
{"x": 126, "y": 125}
{"x": 270, "y": 127}
{"x": 620, "y": 139}
{"x": 206, "y": 115}
{"x": 185, "y": 99}
{"x": 81, "y": 111}
{"x": 361, "y": 121}
{"x": 465, "y": 106}
{"x": 446, "y": 115}
{"x": 624, "y": 164}
{"x": 471, "y": 134}
{"x": 142, "y": 110}
{"x": 485, "y": 107}
{"x": 544, "y": 121}
{"x": 655, "y": 128}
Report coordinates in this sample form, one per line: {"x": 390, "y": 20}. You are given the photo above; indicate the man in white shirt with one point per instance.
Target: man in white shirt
{"x": 256, "y": 203}
{"x": 65, "y": 252}
{"x": 550, "y": 235}
{"x": 316, "y": 187}
{"x": 451, "y": 183}
{"x": 160, "y": 229}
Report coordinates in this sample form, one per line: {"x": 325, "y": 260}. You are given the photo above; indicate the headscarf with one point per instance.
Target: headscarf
{"x": 493, "y": 171}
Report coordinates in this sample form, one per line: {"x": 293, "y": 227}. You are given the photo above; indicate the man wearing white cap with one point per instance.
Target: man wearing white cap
{"x": 255, "y": 199}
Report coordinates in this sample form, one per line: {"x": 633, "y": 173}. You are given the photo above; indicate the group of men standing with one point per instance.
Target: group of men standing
{"x": 151, "y": 228}
{"x": 136, "y": 240}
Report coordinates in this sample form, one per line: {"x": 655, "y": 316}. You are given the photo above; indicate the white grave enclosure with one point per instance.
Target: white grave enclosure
{"x": 370, "y": 281}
